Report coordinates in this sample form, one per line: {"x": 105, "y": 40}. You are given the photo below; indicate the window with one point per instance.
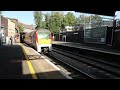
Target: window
{"x": 43, "y": 35}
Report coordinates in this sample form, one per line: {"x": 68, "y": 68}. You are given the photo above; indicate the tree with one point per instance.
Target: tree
{"x": 55, "y": 22}
{"x": 93, "y": 20}
{"x": 96, "y": 21}
{"x": 96, "y": 18}
{"x": 65, "y": 21}
{"x": 47, "y": 17}
{"x": 21, "y": 27}
{"x": 82, "y": 19}
{"x": 70, "y": 19}
{"x": 43, "y": 25}
{"x": 38, "y": 19}
{"x": 77, "y": 20}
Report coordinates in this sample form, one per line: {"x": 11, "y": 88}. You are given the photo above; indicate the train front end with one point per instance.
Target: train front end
{"x": 44, "y": 41}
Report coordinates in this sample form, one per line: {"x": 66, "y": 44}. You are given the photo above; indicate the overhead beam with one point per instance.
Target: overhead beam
{"x": 99, "y": 11}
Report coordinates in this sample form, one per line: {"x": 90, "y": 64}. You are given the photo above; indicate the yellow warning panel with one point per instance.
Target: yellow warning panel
{"x": 44, "y": 41}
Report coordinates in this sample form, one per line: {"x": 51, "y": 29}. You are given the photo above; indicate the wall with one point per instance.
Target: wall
{"x": 4, "y": 23}
{"x": 11, "y": 29}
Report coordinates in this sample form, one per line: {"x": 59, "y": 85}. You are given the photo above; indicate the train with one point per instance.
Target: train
{"x": 40, "y": 39}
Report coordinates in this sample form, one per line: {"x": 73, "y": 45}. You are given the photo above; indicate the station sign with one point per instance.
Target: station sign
{"x": 95, "y": 35}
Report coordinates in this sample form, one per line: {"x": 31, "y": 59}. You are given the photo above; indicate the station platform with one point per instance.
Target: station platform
{"x": 19, "y": 61}
{"x": 90, "y": 47}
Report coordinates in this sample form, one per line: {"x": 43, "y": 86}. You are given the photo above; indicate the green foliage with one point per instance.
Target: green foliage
{"x": 43, "y": 24}
{"x": 77, "y": 20}
{"x": 38, "y": 19}
{"x": 87, "y": 19}
{"x": 47, "y": 17}
{"x": 56, "y": 21}
{"x": 96, "y": 18}
{"x": 21, "y": 27}
{"x": 70, "y": 19}
{"x": 65, "y": 21}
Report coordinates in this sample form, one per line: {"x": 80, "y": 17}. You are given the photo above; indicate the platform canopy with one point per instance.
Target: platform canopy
{"x": 99, "y": 11}
{"x": 100, "y": 7}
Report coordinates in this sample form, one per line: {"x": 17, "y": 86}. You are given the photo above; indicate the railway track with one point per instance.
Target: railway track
{"x": 73, "y": 73}
{"x": 89, "y": 66}
{"x": 80, "y": 66}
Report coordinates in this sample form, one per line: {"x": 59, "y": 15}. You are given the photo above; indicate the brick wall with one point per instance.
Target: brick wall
{"x": 4, "y": 23}
{"x": 11, "y": 28}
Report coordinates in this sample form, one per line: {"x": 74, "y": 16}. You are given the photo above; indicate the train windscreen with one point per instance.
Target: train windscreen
{"x": 44, "y": 35}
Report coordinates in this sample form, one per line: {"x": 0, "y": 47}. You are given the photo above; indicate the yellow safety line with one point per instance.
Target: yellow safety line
{"x": 32, "y": 71}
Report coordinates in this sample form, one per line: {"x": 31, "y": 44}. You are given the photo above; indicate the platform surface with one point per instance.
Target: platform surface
{"x": 20, "y": 61}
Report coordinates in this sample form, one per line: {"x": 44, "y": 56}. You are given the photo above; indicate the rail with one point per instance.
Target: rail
{"x": 92, "y": 67}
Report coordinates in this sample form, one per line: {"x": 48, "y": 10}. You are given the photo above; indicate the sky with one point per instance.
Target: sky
{"x": 27, "y": 16}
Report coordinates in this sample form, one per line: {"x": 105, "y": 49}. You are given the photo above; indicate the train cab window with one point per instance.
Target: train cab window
{"x": 44, "y": 35}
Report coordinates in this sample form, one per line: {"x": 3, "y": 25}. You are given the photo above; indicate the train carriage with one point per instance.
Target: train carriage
{"x": 40, "y": 39}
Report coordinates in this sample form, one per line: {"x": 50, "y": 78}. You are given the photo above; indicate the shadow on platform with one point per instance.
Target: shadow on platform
{"x": 12, "y": 62}
{"x": 13, "y": 65}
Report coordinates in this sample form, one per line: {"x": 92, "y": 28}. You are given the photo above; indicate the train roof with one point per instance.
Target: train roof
{"x": 40, "y": 30}
{"x": 43, "y": 30}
